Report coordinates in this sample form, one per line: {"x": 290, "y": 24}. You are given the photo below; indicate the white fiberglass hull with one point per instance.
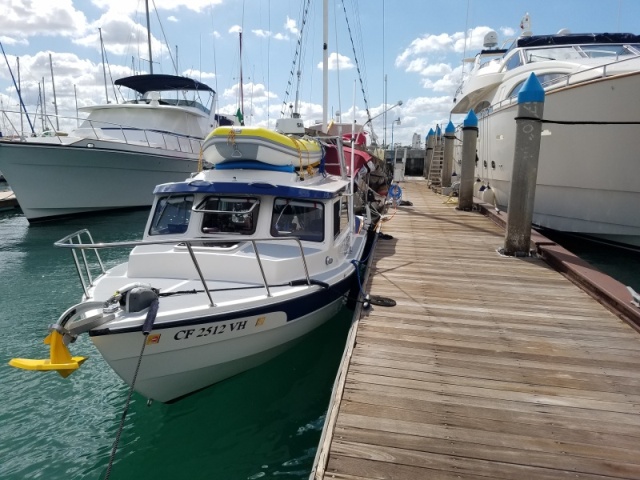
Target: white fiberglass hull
{"x": 587, "y": 174}
{"x": 196, "y": 354}
{"x": 52, "y": 180}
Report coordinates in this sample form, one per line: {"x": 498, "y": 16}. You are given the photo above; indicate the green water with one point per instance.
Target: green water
{"x": 265, "y": 423}
{"x": 619, "y": 263}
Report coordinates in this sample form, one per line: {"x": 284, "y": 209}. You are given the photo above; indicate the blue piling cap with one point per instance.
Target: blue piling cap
{"x": 470, "y": 120}
{"x": 438, "y": 130}
{"x": 531, "y": 91}
{"x": 450, "y": 128}
{"x": 431, "y": 133}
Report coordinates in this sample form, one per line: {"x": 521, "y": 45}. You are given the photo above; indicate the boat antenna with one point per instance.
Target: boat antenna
{"x": 55, "y": 101}
{"x": 75, "y": 95}
{"x": 146, "y": 4}
{"x": 164, "y": 37}
{"x": 104, "y": 70}
{"x": 325, "y": 63}
{"x": 241, "y": 107}
{"x": 17, "y": 90}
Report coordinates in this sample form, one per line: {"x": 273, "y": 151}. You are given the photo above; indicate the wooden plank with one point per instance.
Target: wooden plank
{"x": 487, "y": 367}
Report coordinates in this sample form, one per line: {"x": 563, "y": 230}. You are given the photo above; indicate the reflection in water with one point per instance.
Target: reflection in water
{"x": 264, "y": 423}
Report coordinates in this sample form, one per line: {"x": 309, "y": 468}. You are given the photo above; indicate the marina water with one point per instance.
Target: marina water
{"x": 264, "y": 423}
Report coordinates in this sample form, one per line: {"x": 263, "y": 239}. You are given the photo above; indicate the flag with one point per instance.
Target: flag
{"x": 240, "y": 116}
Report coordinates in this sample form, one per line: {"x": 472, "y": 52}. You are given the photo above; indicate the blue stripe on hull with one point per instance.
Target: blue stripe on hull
{"x": 294, "y": 309}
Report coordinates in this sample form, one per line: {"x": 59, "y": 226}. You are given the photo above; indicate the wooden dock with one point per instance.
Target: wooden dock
{"x": 488, "y": 366}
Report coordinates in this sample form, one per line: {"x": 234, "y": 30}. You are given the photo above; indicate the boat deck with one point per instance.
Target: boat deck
{"x": 488, "y": 366}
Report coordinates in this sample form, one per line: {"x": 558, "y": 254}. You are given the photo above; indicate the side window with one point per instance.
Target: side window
{"x": 298, "y": 218}
{"x": 229, "y": 215}
{"x": 545, "y": 80}
{"x": 171, "y": 215}
{"x": 340, "y": 215}
{"x": 513, "y": 62}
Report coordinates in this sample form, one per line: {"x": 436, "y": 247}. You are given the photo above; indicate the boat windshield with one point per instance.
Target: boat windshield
{"x": 577, "y": 52}
{"x": 202, "y": 101}
{"x": 171, "y": 215}
{"x": 554, "y": 53}
{"x": 229, "y": 215}
{"x": 298, "y": 218}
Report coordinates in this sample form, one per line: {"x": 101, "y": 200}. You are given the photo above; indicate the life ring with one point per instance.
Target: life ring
{"x": 395, "y": 191}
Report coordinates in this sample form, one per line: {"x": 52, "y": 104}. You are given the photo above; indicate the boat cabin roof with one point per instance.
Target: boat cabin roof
{"x": 577, "y": 38}
{"x": 159, "y": 82}
{"x": 312, "y": 192}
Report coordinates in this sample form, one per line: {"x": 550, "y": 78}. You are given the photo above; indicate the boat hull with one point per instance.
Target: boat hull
{"x": 197, "y": 353}
{"x": 587, "y": 174}
{"x": 53, "y": 180}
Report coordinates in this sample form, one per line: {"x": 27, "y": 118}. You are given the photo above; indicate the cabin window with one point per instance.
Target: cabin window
{"x": 598, "y": 51}
{"x": 340, "y": 215}
{"x": 171, "y": 215}
{"x": 545, "y": 80}
{"x": 513, "y": 62}
{"x": 552, "y": 53}
{"x": 229, "y": 215}
{"x": 298, "y": 218}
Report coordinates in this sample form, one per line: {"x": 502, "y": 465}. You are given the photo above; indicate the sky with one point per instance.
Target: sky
{"x": 394, "y": 50}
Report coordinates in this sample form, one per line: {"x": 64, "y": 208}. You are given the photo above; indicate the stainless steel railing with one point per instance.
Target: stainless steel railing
{"x": 100, "y": 130}
{"x": 84, "y": 269}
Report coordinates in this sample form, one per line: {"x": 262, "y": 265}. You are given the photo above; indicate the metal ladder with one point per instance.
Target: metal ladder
{"x": 434, "y": 180}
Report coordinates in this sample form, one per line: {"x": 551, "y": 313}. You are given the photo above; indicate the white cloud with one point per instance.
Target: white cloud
{"x": 338, "y": 61}
{"x": 171, "y": 18}
{"x": 22, "y": 19}
{"x": 198, "y": 75}
{"x": 121, "y": 36}
{"x": 261, "y": 33}
{"x": 281, "y": 36}
{"x": 128, "y": 6}
{"x": 291, "y": 26}
{"x": 235, "y": 29}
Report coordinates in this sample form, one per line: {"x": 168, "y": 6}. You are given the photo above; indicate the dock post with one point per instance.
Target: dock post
{"x": 467, "y": 168}
{"x": 428, "y": 158}
{"x": 525, "y": 168}
{"x": 449, "y": 137}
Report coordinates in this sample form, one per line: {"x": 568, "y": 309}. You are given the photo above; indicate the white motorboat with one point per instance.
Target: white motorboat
{"x": 118, "y": 154}
{"x": 588, "y": 165}
{"x": 236, "y": 264}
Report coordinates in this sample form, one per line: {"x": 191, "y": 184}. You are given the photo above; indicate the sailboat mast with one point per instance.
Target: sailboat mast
{"x": 146, "y": 3}
{"x": 20, "y": 94}
{"x": 241, "y": 80}
{"x": 55, "y": 101}
{"x": 325, "y": 63}
{"x": 104, "y": 71}
{"x": 17, "y": 89}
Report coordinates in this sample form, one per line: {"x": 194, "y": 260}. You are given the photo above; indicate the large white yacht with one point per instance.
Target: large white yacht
{"x": 589, "y": 162}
